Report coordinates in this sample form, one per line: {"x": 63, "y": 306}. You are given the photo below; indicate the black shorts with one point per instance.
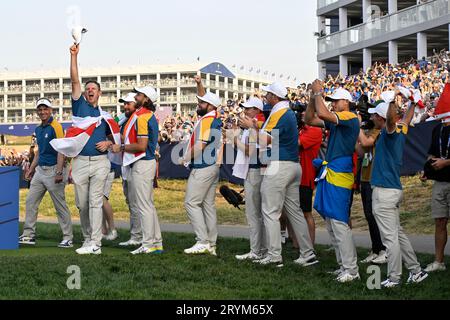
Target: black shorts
{"x": 306, "y": 195}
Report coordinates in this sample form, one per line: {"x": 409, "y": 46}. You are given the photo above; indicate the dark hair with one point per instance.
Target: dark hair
{"x": 94, "y": 82}
{"x": 149, "y": 105}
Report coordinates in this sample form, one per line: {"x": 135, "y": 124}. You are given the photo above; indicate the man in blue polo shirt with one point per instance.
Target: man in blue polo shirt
{"x": 48, "y": 174}
{"x": 91, "y": 167}
{"x": 387, "y": 195}
{"x": 281, "y": 179}
{"x": 336, "y": 177}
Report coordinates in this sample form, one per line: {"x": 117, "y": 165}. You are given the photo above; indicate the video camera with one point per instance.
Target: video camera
{"x": 362, "y": 107}
{"x": 232, "y": 197}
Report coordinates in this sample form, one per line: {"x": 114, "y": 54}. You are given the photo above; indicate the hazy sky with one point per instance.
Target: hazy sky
{"x": 276, "y": 36}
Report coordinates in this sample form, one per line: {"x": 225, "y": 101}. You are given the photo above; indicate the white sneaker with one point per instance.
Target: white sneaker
{"x": 336, "y": 272}
{"x": 389, "y": 284}
{"x": 212, "y": 250}
{"x": 249, "y": 256}
{"x": 199, "y": 248}
{"x": 65, "y": 244}
{"x": 370, "y": 258}
{"x": 347, "y": 277}
{"x": 305, "y": 262}
{"x": 269, "y": 260}
{"x": 112, "y": 235}
{"x": 89, "y": 250}
{"x": 130, "y": 243}
{"x": 435, "y": 266}
{"x": 381, "y": 259}
{"x": 417, "y": 277}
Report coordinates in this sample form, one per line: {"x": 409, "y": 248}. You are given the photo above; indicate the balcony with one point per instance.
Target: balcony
{"x": 389, "y": 27}
{"x": 325, "y": 3}
{"x": 33, "y": 88}
{"x": 164, "y": 83}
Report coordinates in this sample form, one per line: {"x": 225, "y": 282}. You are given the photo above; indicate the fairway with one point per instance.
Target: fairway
{"x": 41, "y": 273}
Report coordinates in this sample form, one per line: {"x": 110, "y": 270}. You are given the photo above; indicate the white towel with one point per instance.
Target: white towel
{"x": 242, "y": 162}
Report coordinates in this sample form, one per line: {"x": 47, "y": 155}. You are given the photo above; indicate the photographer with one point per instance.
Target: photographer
{"x": 437, "y": 168}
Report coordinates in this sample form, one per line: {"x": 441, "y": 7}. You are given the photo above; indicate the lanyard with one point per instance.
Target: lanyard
{"x": 440, "y": 144}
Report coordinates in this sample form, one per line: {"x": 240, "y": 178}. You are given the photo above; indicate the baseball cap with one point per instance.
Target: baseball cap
{"x": 277, "y": 89}
{"x": 340, "y": 94}
{"x": 253, "y": 102}
{"x": 43, "y": 102}
{"x": 210, "y": 98}
{"x": 150, "y": 92}
{"x": 381, "y": 109}
{"x": 128, "y": 98}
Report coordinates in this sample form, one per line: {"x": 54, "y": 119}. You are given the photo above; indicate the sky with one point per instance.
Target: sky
{"x": 273, "y": 36}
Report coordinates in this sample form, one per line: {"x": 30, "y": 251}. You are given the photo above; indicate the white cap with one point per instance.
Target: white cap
{"x": 253, "y": 102}
{"x": 43, "y": 102}
{"x": 128, "y": 98}
{"x": 381, "y": 109}
{"x": 340, "y": 94}
{"x": 210, "y": 98}
{"x": 150, "y": 92}
{"x": 277, "y": 89}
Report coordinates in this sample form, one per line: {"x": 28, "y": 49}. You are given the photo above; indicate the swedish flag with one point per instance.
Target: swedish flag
{"x": 334, "y": 188}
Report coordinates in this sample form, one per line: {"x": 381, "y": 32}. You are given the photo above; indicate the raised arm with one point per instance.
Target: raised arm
{"x": 200, "y": 88}
{"x": 310, "y": 115}
{"x": 321, "y": 109}
{"x": 74, "y": 76}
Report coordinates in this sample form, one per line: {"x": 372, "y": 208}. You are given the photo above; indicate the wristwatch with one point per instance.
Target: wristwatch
{"x": 317, "y": 94}
{"x": 59, "y": 173}
{"x": 122, "y": 147}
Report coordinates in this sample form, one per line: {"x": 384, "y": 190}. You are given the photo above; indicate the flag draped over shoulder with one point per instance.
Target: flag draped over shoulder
{"x": 130, "y": 137}
{"x": 79, "y": 134}
{"x": 334, "y": 187}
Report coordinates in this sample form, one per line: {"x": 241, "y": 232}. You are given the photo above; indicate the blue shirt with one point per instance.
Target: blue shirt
{"x": 81, "y": 108}
{"x": 343, "y": 136}
{"x": 282, "y": 126}
{"x": 208, "y": 132}
{"x": 388, "y": 158}
{"x": 44, "y": 134}
{"x": 147, "y": 127}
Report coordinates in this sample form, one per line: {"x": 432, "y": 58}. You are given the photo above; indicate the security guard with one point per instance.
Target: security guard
{"x": 48, "y": 174}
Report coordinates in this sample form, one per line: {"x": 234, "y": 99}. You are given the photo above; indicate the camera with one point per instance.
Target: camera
{"x": 298, "y": 109}
{"x": 362, "y": 107}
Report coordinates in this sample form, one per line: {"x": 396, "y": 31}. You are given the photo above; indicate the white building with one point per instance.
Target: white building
{"x": 355, "y": 33}
{"x": 174, "y": 83}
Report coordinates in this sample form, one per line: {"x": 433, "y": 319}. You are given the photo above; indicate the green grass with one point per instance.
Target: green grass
{"x": 40, "y": 273}
{"x": 169, "y": 197}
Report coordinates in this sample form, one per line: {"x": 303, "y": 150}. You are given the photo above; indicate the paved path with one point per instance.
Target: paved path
{"x": 420, "y": 243}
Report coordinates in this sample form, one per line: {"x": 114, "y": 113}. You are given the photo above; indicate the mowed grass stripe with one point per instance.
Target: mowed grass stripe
{"x": 40, "y": 273}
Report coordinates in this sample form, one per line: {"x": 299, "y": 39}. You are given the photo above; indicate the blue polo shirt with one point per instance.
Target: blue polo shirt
{"x": 343, "y": 136}
{"x": 81, "y": 108}
{"x": 388, "y": 158}
{"x": 208, "y": 132}
{"x": 44, "y": 134}
{"x": 282, "y": 126}
{"x": 147, "y": 127}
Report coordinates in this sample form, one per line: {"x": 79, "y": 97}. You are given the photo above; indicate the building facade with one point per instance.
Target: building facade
{"x": 353, "y": 34}
{"x": 174, "y": 83}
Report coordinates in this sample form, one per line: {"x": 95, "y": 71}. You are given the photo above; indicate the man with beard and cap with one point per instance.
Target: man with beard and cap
{"x": 201, "y": 156}
{"x": 139, "y": 167}
{"x": 129, "y": 104}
